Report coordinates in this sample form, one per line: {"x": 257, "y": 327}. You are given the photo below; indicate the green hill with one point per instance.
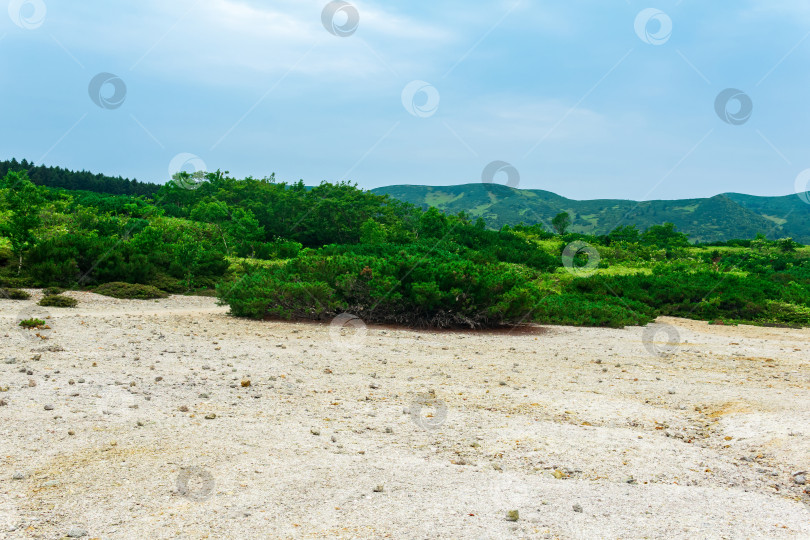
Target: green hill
{"x": 723, "y": 217}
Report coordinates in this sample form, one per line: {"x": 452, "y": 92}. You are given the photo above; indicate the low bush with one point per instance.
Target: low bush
{"x": 32, "y": 323}
{"x": 14, "y": 294}
{"x": 52, "y": 291}
{"x": 576, "y": 310}
{"x": 416, "y": 284}
{"x": 58, "y": 301}
{"x": 121, "y": 290}
{"x": 168, "y": 284}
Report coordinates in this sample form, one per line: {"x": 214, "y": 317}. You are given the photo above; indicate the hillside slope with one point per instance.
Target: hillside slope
{"x": 722, "y": 217}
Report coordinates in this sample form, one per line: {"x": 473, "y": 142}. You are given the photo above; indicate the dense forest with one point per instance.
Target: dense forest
{"x": 58, "y": 177}
{"x": 283, "y": 250}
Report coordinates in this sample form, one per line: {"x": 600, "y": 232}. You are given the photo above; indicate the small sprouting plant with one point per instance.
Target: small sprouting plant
{"x": 32, "y": 323}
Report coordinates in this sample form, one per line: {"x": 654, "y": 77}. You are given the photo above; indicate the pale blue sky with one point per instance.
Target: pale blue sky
{"x": 565, "y": 91}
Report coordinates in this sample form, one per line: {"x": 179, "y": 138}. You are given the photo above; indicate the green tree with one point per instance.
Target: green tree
{"x": 665, "y": 236}
{"x": 432, "y": 224}
{"x": 561, "y": 222}
{"x": 24, "y": 200}
{"x": 372, "y": 232}
{"x": 625, "y": 233}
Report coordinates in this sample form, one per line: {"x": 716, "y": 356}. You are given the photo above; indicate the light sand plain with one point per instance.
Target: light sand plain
{"x": 393, "y": 433}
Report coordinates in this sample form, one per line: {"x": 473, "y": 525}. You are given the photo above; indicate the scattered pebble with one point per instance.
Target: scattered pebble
{"x": 512, "y": 515}
{"x": 578, "y": 508}
{"x": 210, "y": 416}
{"x": 18, "y": 476}
{"x": 76, "y": 532}
{"x": 49, "y": 407}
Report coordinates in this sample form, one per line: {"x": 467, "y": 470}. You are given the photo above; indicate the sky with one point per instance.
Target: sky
{"x": 588, "y": 99}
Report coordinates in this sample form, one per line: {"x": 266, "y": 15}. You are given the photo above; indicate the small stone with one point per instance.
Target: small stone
{"x": 558, "y": 474}
{"x": 31, "y": 383}
{"x": 210, "y": 416}
{"x": 800, "y": 479}
{"x": 71, "y": 382}
{"x": 18, "y": 476}
{"x": 76, "y": 532}
{"x": 334, "y": 439}
{"x": 48, "y": 407}
{"x": 512, "y": 515}
{"x": 671, "y": 392}
{"x": 630, "y": 480}
{"x": 389, "y": 430}
{"x": 81, "y": 381}
{"x": 3, "y": 402}
{"x": 71, "y": 432}
{"x": 203, "y": 396}
{"x": 245, "y": 383}
{"x": 315, "y": 431}
{"x": 183, "y": 408}
{"x": 140, "y": 423}
{"x": 158, "y": 379}
{"x": 379, "y": 489}
{"x": 577, "y": 508}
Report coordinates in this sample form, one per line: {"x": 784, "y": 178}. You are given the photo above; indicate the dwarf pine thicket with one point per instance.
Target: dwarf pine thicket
{"x": 272, "y": 249}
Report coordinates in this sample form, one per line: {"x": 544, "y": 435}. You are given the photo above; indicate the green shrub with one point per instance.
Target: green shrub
{"x": 14, "y": 294}
{"x": 415, "y": 284}
{"x": 15, "y": 282}
{"x": 58, "y": 301}
{"x": 32, "y": 323}
{"x": 118, "y": 289}
{"x": 52, "y": 291}
{"x": 167, "y": 283}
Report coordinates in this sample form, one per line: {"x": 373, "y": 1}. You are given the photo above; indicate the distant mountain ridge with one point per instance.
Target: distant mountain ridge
{"x": 722, "y": 217}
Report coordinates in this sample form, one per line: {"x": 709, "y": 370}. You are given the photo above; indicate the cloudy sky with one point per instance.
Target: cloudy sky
{"x": 588, "y": 98}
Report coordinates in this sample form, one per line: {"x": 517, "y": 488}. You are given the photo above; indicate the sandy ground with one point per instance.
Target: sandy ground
{"x": 107, "y": 428}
